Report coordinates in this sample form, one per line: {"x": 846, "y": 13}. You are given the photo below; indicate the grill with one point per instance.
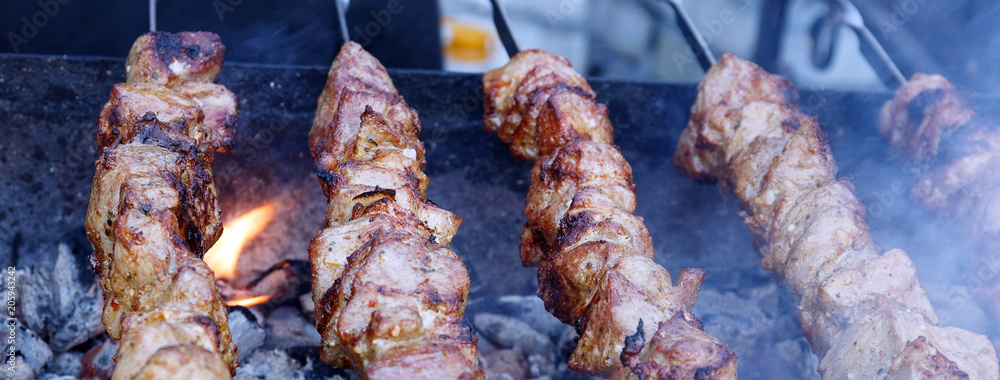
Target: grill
{"x": 50, "y": 107}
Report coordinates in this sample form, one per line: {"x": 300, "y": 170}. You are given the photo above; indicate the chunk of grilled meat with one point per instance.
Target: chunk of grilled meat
{"x": 154, "y": 211}
{"x": 925, "y": 110}
{"x": 390, "y": 296}
{"x": 865, "y": 313}
{"x": 594, "y": 257}
{"x": 676, "y": 342}
{"x": 932, "y": 124}
{"x": 531, "y": 84}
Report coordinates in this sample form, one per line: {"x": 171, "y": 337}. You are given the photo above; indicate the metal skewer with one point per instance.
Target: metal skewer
{"x": 152, "y": 15}
{"x": 342, "y": 18}
{"x": 848, "y": 14}
{"x": 871, "y": 48}
{"x": 691, "y": 35}
{"x": 503, "y": 29}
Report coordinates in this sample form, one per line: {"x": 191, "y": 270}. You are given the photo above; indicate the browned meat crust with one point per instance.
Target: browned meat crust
{"x": 390, "y": 296}
{"x": 538, "y": 103}
{"x": 154, "y": 212}
{"x": 594, "y": 257}
{"x": 865, "y": 313}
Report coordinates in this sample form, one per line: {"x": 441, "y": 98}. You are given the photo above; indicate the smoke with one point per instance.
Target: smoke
{"x": 283, "y": 42}
{"x": 940, "y": 247}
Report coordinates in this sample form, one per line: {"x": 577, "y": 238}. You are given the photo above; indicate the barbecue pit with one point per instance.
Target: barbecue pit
{"x": 51, "y": 106}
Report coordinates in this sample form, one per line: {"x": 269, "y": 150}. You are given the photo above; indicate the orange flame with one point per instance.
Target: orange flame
{"x": 224, "y": 255}
{"x": 247, "y": 302}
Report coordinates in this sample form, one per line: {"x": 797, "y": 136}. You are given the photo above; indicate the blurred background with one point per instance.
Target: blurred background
{"x": 624, "y": 39}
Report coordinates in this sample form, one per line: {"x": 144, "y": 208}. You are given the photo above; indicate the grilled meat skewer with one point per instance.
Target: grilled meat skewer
{"x": 594, "y": 256}
{"x": 390, "y": 296}
{"x": 932, "y": 124}
{"x": 863, "y": 311}
{"x": 154, "y": 212}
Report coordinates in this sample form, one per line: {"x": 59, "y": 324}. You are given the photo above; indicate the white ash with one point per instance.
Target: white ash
{"x": 63, "y": 309}
{"x": 287, "y": 327}
{"x": 736, "y": 315}
{"x": 66, "y": 364}
{"x": 248, "y": 334}
{"x": 308, "y": 307}
{"x": 509, "y": 332}
{"x": 525, "y": 342}
{"x": 31, "y": 349}
{"x": 531, "y": 310}
{"x": 22, "y": 371}
{"x": 257, "y": 311}
{"x": 539, "y": 366}
{"x": 275, "y": 364}
{"x": 268, "y": 365}
{"x": 503, "y": 364}
{"x": 740, "y": 317}
{"x": 512, "y": 364}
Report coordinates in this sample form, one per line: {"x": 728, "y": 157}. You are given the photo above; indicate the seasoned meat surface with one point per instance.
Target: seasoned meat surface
{"x": 863, "y": 311}
{"x": 594, "y": 256}
{"x": 702, "y": 146}
{"x": 352, "y": 71}
{"x": 538, "y": 103}
{"x": 154, "y": 210}
{"x": 390, "y": 296}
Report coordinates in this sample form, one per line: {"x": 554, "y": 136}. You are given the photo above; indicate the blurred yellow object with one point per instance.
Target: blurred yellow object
{"x": 467, "y": 42}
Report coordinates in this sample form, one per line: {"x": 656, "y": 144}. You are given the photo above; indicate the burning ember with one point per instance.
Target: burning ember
{"x": 224, "y": 255}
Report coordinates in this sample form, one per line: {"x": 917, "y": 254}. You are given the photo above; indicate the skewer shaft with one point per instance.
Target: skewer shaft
{"x": 503, "y": 29}
{"x": 152, "y": 15}
{"x": 705, "y": 57}
{"x": 870, "y": 47}
{"x": 341, "y": 9}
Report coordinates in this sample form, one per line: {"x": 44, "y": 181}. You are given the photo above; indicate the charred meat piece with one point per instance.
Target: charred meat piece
{"x": 390, "y": 296}
{"x": 863, "y": 311}
{"x": 594, "y": 256}
{"x": 154, "y": 211}
{"x": 170, "y": 59}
